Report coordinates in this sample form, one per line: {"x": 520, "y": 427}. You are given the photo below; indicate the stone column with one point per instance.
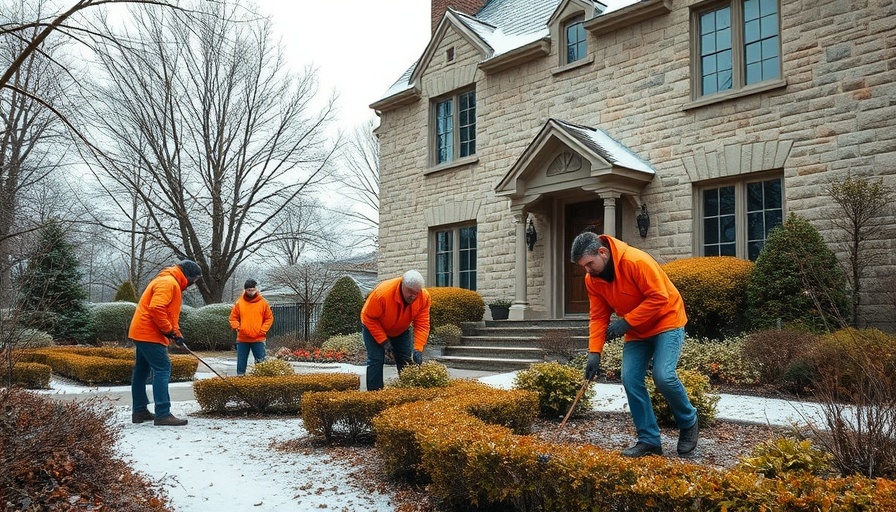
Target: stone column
{"x": 520, "y": 306}
{"x": 610, "y": 212}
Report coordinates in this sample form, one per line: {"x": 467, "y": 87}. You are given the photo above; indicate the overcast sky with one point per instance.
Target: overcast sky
{"x": 360, "y": 47}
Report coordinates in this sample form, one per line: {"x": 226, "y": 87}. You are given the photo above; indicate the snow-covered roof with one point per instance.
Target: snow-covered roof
{"x": 607, "y": 147}
{"x": 505, "y": 25}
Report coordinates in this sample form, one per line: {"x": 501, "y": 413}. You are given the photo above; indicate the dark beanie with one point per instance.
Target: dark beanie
{"x": 250, "y": 283}
{"x": 190, "y": 269}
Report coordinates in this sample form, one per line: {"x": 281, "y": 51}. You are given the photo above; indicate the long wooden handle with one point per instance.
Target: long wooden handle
{"x": 574, "y": 402}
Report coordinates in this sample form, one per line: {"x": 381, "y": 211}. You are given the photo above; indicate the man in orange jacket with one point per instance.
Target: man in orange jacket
{"x": 154, "y": 324}
{"x": 651, "y": 315}
{"x": 251, "y": 318}
{"x": 389, "y": 311}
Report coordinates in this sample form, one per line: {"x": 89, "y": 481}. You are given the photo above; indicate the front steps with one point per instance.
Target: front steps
{"x": 508, "y": 345}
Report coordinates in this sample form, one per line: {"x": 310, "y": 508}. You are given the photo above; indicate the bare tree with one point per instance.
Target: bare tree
{"x": 309, "y": 282}
{"x": 305, "y": 228}
{"x": 862, "y": 205}
{"x": 210, "y": 132}
{"x": 31, "y": 143}
{"x": 361, "y": 178}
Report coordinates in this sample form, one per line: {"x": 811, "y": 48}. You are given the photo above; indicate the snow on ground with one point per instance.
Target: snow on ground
{"x": 224, "y": 464}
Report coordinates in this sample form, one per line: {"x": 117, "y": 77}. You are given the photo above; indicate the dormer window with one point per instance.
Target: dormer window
{"x": 576, "y": 39}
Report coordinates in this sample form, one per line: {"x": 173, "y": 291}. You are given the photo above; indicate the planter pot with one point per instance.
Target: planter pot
{"x": 499, "y": 312}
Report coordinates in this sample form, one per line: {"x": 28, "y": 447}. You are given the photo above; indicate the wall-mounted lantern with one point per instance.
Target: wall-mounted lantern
{"x": 643, "y": 220}
{"x": 531, "y": 235}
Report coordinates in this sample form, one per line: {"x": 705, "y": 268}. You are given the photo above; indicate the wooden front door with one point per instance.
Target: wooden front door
{"x": 579, "y": 217}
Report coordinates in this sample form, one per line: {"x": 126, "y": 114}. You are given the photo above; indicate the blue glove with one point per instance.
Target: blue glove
{"x": 417, "y": 357}
{"x": 592, "y": 369}
{"x": 617, "y": 328}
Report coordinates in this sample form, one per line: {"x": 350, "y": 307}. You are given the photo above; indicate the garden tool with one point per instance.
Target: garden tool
{"x": 585, "y": 385}
{"x": 238, "y": 392}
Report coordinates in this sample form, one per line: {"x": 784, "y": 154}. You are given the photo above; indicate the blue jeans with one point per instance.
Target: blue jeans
{"x": 664, "y": 349}
{"x": 242, "y": 354}
{"x": 376, "y": 356}
{"x": 154, "y": 357}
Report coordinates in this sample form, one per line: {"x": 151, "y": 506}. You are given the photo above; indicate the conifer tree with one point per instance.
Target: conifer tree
{"x": 52, "y": 294}
{"x": 341, "y": 312}
{"x": 126, "y": 292}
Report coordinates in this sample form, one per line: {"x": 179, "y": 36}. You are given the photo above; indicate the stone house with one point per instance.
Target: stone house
{"x": 684, "y": 127}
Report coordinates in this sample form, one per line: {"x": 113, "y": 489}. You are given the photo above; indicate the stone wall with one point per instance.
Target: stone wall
{"x": 835, "y": 116}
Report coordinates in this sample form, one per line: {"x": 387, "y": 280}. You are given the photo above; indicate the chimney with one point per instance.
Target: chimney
{"x": 440, "y": 7}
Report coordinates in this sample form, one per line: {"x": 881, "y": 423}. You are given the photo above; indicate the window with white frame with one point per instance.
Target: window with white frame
{"x": 737, "y": 217}
{"x": 576, "y": 39}
{"x": 737, "y": 43}
{"x": 455, "y": 257}
{"x": 455, "y": 127}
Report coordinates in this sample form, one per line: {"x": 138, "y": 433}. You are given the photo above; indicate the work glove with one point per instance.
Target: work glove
{"x": 617, "y": 328}
{"x": 592, "y": 369}
{"x": 179, "y": 340}
{"x": 387, "y": 346}
{"x": 417, "y": 356}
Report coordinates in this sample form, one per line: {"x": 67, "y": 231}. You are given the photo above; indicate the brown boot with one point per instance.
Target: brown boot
{"x": 170, "y": 421}
{"x": 141, "y": 416}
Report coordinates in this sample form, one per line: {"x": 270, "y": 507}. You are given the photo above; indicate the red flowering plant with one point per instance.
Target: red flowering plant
{"x": 314, "y": 355}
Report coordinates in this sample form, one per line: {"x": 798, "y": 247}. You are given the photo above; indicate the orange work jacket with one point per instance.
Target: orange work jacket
{"x": 252, "y": 318}
{"x": 641, "y": 293}
{"x": 386, "y": 315}
{"x": 159, "y": 307}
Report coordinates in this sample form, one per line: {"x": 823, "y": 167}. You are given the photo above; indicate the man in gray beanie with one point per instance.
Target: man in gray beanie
{"x": 154, "y": 325}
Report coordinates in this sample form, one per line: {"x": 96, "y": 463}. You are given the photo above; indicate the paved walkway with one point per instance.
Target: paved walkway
{"x": 608, "y": 397}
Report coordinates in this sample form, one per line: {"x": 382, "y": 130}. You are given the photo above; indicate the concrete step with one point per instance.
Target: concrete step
{"x": 486, "y": 363}
{"x": 532, "y": 331}
{"x": 493, "y": 352}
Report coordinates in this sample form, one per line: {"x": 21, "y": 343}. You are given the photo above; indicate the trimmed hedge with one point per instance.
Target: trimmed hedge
{"x": 100, "y": 365}
{"x": 110, "y": 321}
{"x": 31, "y": 375}
{"x": 452, "y": 305}
{"x": 282, "y": 394}
{"x": 714, "y": 290}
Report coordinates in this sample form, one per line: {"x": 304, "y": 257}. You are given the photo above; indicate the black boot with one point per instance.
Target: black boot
{"x": 687, "y": 440}
{"x": 641, "y": 450}
{"x": 141, "y": 416}
{"x": 170, "y": 421}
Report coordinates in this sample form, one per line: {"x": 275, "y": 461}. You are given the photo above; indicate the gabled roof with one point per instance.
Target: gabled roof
{"x": 500, "y": 27}
{"x": 607, "y": 147}
{"x": 612, "y": 165}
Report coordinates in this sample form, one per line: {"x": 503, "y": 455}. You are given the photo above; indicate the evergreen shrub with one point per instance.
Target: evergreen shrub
{"x": 714, "y": 290}
{"x": 111, "y": 320}
{"x": 722, "y": 361}
{"x": 782, "y": 456}
{"x": 797, "y": 280}
{"x": 430, "y": 374}
{"x": 52, "y": 290}
{"x": 126, "y": 292}
{"x": 699, "y": 392}
{"x": 351, "y": 344}
{"x": 341, "y": 311}
{"x": 556, "y": 385}
{"x": 448, "y": 334}
{"x": 452, "y": 305}
{"x": 208, "y": 327}
{"x": 29, "y": 338}
{"x": 272, "y": 367}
